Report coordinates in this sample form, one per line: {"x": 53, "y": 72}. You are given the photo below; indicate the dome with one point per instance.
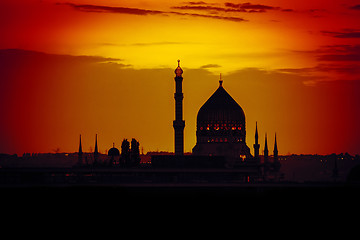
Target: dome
{"x": 113, "y": 152}
{"x": 220, "y": 129}
{"x": 220, "y": 107}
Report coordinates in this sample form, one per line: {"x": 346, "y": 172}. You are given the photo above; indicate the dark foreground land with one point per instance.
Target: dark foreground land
{"x": 110, "y": 187}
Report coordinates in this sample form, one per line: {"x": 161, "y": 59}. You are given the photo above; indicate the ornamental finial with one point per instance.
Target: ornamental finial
{"x": 220, "y": 81}
{"x": 178, "y": 70}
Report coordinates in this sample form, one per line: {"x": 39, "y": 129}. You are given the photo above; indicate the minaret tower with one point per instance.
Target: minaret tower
{"x": 96, "y": 152}
{"x": 179, "y": 123}
{"x": 276, "y": 157}
{"x": 275, "y": 151}
{"x": 80, "y": 153}
{"x": 256, "y": 145}
{"x": 266, "y": 151}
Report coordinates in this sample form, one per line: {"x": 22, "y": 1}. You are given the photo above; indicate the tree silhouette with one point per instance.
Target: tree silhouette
{"x": 135, "y": 152}
{"x": 125, "y": 152}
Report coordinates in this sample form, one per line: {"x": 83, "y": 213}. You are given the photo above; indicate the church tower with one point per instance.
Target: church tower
{"x": 256, "y": 145}
{"x": 179, "y": 123}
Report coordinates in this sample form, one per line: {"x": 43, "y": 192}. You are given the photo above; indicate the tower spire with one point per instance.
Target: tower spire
{"x": 276, "y": 163}
{"x": 80, "y": 153}
{"x": 266, "y": 151}
{"x": 275, "y": 151}
{"x": 256, "y": 145}
{"x": 96, "y": 146}
{"x": 80, "y": 147}
{"x": 179, "y": 123}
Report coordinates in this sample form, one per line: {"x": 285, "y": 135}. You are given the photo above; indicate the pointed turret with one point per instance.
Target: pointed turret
{"x": 96, "y": 146}
{"x": 96, "y": 152}
{"x": 276, "y": 164}
{"x": 80, "y": 147}
{"x": 266, "y": 151}
{"x": 275, "y": 150}
{"x": 80, "y": 153}
{"x": 256, "y": 145}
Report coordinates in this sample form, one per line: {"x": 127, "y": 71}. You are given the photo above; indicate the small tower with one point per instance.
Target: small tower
{"x": 256, "y": 145}
{"x": 80, "y": 153}
{"x": 266, "y": 151}
{"x": 179, "y": 123}
{"x": 275, "y": 151}
{"x": 96, "y": 152}
{"x": 276, "y": 163}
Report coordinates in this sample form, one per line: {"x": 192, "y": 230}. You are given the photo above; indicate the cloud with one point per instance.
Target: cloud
{"x": 346, "y": 33}
{"x": 145, "y": 12}
{"x": 340, "y": 53}
{"x": 229, "y": 7}
{"x": 210, "y": 66}
{"x": 107, "y": 9}
{"x": 234, "y": 19}
{"x": 249, "y": 7}
{"x": 26, "y": 54}
{"x": 355, "y": 7}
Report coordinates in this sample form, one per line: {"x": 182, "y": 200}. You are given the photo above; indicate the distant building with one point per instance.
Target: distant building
{"x": 221, "y": 128}
{"x": 220, "y": 134}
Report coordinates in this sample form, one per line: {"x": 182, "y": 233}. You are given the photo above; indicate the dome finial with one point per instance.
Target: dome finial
{"x": 220, "y": 81}
{"x": 178, "y": 70}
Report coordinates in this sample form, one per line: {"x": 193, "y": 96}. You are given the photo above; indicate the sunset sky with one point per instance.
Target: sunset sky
{"x": 106, "y": 67}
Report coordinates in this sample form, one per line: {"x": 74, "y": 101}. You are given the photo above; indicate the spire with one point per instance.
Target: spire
{"x": 80, "y": 147}
{"x": 256, "y": 134}
{"x": 275, "y": 146}
{"x": 256, "y": 145}
{"x": 275, "y": 150}
{"x": 266, "y": 146}
{"x": 276, "y": 163}
{"x": 220, "y": 81}
{"x": 80, "y": 153}
{"x": 96, "y": 152}
{"x": 266, "y": 151}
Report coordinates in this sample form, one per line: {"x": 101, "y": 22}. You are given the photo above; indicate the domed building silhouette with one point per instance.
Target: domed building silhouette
{"x": 221, "y": 129}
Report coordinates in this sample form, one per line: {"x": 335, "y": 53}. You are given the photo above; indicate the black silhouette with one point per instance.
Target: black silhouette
{"x": 179, "y": 123}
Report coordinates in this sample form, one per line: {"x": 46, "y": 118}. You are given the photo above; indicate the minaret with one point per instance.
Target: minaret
{"x": 256, "y": 145}
{"x": 275, "y": 151}
{"x": 80, "y": 153}
{"x": 276, "y": 163}
{"x": 266, "y": 151}
{"x": 179, "y": 123}
{"x": 96, "y": 152}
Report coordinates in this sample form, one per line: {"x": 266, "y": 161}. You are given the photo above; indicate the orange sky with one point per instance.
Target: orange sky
{"x": 106, "y": 67}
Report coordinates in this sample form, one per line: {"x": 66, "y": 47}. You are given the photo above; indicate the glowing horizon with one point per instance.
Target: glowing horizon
{"x": 106, "y": 68}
